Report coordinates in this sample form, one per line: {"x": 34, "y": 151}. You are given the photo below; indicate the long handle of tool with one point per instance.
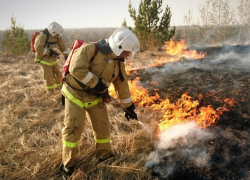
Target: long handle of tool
{"x": 119, "y": 104}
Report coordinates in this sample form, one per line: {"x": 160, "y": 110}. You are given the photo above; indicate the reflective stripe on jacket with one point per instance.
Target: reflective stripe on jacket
{"x": 46, "y": 63}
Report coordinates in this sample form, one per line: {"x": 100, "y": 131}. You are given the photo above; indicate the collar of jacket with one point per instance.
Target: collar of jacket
{"x": 46, "y": 32}
{"x": 103, "y": 46}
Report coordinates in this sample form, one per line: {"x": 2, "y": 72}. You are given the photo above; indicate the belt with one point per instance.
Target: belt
{"x": 77, "y": 101}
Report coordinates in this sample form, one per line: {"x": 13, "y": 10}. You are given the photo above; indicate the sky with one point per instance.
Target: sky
{"x": 33, "y": 14}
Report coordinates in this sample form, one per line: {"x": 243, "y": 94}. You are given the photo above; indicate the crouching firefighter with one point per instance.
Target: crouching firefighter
{"x": 85, "y": 86}
{"x": 48, "y": 44}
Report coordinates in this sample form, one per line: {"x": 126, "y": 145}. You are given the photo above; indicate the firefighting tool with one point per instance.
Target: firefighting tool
{"x": 123, "y": 108}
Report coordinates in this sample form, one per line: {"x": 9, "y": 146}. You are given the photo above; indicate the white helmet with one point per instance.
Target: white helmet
{"x": 55, "y": 28}
{"x": 123, "y": 39}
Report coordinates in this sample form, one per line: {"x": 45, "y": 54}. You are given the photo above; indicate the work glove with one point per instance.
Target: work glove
{"x": 100, "y": 87}
{"x": 52, "y": 53}
{"x": 130, "y": 112}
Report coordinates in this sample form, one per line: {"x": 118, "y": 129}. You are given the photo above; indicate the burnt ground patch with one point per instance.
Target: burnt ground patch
{"x": 223, "y": 73}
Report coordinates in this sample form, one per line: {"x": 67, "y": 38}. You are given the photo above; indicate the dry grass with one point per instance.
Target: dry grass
{"x": 31, "y": 122}
{"x": 30, "y": 131}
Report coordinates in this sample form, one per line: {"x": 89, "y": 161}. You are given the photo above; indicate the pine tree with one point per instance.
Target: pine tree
{"x": 15, "y": 40}
{"x": 124, "y": 23}
{"x": 151, "y": 29}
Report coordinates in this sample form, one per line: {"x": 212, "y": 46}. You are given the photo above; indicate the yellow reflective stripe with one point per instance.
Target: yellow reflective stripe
{"x": 70, "y": 144}
{"x": 102, "y": 141}
{"x": 50, "y": 87}
{"x": 77, "y": 101}
{"x": 60, "y": 84}
{"x": 92, "y": 103}
{"x": 53, "y": 86}
{"x": 46, "y": 63}
{"x": 72, "y": 98}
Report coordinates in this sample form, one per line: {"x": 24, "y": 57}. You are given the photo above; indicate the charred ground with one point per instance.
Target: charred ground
{"x": 223, "y": 73}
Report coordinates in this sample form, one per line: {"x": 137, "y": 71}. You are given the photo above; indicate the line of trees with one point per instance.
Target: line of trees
{"x": 218, "y": 25}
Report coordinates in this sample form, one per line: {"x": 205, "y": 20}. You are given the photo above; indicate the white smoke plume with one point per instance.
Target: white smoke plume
{"x": 179, "y": 145}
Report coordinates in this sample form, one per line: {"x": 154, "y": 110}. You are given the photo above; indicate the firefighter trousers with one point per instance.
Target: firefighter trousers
{"x": 74, "y": 122}
{"x": 52, "y": 76}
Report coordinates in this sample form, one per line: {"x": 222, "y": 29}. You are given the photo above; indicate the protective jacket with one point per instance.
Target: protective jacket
{"x": 43, "y": 42}
{"x": 46, "y": 47}
{"x": 88, "y": 72}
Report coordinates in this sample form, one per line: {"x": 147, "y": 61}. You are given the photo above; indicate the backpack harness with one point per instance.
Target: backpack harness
{"x": 65, "y": 70}
{"x": 32, "y": 43}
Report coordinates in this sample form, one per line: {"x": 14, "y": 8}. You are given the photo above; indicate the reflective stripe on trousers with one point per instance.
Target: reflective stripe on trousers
{"x": 70, "y": 144}
{"x": 102, "y": 141}
{"x": 78, "y": 102}
{"x": 73, "y": 145}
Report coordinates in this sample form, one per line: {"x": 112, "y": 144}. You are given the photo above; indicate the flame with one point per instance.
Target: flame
{"x": 174, "y": 52}
{"x": 179, "y": 49}
{"x": 185, "y": 109}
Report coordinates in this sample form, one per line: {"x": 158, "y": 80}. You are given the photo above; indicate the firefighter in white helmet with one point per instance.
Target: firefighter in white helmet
{"x": 48, "y": 45}
{"x": 85, "y": 87}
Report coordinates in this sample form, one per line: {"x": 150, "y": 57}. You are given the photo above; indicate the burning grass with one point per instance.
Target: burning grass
{"x": 32, "y": 120}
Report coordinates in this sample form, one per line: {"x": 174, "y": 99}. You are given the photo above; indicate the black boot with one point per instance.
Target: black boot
{"x": 67, "y": 171}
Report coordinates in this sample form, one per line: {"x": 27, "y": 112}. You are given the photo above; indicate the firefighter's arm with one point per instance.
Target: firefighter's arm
{"x": 39, "y": 46}
{"x": 80, "y": 65}
{"x": 62, "y": 47}
{"x": 125, "y": 98}
{"x": 122, "y": 88}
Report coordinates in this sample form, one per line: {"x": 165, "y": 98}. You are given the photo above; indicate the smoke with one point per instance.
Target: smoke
{"x": 187, "y": 152}
{"x": 178, "y": 147}
{"x": 227, "y": 59}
